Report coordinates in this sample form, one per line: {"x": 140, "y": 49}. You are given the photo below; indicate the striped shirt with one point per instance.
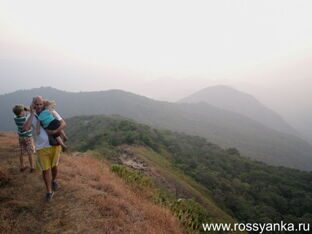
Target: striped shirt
{"x": 19, "y": 121}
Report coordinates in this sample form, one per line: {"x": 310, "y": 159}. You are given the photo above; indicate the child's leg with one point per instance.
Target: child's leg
{"x": 63, "y": 135}
{"x": 31, "y": 162}
{"x": 29, "y": 150}
{"x": 21, "y": 156}
{"x": 60, "y": 141}
{"x": 21, "y": 161}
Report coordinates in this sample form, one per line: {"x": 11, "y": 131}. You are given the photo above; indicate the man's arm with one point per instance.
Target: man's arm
{"x": 38, "y": 126}
{"x": 60, "y": 128}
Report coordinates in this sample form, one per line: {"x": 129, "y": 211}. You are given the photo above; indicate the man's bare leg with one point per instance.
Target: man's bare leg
{"x": 47, "y": 180}
{"x": 55, "y": 184}
{"x": 54, "y": 173}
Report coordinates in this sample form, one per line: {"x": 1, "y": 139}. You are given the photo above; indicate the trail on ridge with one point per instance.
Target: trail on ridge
{"x": 91, "y": 199}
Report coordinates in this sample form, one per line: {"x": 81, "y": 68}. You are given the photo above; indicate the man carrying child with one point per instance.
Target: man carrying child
{"x": 48, "y": 154}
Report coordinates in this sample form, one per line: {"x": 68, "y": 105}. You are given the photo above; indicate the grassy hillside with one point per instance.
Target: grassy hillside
{"x": 247, "y": 190}
{"x": 91, "y": 199}
{"x": 225, "y": 128}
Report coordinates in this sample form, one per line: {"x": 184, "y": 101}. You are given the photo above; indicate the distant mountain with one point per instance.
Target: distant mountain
{"x": 230, "y": 99}
{"x": 225, "y": 128}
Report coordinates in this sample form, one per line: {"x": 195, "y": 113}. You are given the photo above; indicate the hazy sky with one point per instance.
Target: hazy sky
{"x": 162, "y": 49}
{"x": 148, "y": 40}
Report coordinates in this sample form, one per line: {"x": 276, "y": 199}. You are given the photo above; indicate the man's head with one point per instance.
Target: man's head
{"x": 19, "y": 110}
{"x": 38, "y": 103}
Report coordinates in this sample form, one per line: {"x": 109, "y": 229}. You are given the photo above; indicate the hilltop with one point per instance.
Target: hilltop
{"x": 92, "y": 199}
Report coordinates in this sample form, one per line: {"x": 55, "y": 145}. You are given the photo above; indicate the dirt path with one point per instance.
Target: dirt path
{"x": 91, "y": 199}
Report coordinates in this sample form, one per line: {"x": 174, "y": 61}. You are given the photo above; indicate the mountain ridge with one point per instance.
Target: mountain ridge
{"x": 231, "y": 99}
{"x": 225, "y": 128}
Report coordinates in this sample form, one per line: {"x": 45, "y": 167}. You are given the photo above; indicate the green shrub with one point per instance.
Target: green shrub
{"x": 132, "y": 176}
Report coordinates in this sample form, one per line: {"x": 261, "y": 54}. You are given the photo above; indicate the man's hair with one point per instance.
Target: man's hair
{"x": 17, "y": 109}
{"x": 36, "y": 98}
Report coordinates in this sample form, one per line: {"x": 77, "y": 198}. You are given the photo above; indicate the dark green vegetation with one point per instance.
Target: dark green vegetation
{"x": 225, "y": 128}
{"x": 247, "y": 190}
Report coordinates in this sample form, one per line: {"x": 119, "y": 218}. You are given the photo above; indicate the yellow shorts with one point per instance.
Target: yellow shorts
{"x": 48, "y": 157}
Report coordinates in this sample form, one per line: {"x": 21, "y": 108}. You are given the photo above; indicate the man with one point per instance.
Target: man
{"x": 47, "y": 155}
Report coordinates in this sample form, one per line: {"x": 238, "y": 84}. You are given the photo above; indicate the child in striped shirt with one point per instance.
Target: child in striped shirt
{"x": 26, "y": 142}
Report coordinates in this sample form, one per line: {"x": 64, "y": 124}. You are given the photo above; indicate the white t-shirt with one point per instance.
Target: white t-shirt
{"x": 42, "y": 140}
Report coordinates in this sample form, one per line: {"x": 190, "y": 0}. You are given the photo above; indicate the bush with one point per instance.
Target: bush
{"x": 131, "y": 176}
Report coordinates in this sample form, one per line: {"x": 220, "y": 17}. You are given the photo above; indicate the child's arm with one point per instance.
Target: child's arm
{"x": 28, "y": 123}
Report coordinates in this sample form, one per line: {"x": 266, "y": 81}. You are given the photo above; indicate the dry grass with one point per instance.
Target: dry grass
{"x": 91, "y": 200}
